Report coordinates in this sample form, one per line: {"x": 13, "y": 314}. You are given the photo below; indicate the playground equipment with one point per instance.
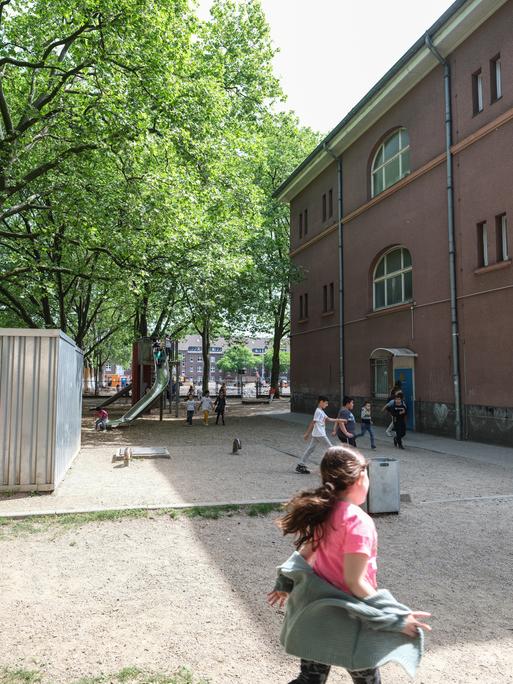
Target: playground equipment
{"x": 162, "y": 376}
{"x": 123, "y": 392}
{"x": 144, "y": 395}
{"x": 40, "y": 407}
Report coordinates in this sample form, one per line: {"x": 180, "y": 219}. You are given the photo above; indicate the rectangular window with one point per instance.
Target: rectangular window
{"x": 330, "y": 203}
{"x": 501, "y": 227}
{"x": 482, "y": 244}
{"x": 301, "y": 308}
{"x": 496, "y": 78}
{"x": 300, "y": 226}
{"x": 306, "y": 221}
{"x": 324, "y": 298}
{"x": 324, "y": 207}
{"x": 477, "y": 91}
{"x": 380, "y": 377}
{"x": 306, "y": 305}
{"x": 332, "y": 297}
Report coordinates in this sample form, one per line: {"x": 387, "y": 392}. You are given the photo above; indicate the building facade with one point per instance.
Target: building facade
{"x": 402, "y": 222}
{"x": 192, "y": 360}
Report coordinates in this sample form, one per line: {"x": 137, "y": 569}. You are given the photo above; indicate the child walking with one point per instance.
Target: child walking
{"x": 220, "y": 405}
{"x": 190, "y": 406}
{"x": 317, "y": 429}
{"x": 398, "y": 410}
{"x": 335, "y": 567}
{"x": 366, "y": 423}
{"x": 206, "y": 406}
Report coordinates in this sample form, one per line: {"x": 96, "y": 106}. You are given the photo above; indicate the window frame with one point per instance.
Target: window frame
{"x": 330, "y": 203}
{"x": 388, "y": 276}
{"x": 501, "y": 227}
{"x": 483, "y": 253}
{"x": 305, "y": 222}
{"x": 400, "y": 154}
{"x": 324, "y": 208}
{"x": 496, "y": 78}
{"x": 300, "y": 225}
{"x": 477, "y": 92}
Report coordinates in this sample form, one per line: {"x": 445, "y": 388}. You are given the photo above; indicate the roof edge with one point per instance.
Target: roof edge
{"x": 396, "y": 68}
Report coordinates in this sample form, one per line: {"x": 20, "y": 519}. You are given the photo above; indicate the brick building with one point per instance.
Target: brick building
{"x": 399, "y": 220}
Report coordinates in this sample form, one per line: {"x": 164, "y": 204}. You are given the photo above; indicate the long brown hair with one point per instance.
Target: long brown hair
{"x": 307, "y": 512}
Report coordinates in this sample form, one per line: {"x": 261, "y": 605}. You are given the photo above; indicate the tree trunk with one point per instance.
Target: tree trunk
{"x": 205, "y": 351}
{"x": 279, "y": 332}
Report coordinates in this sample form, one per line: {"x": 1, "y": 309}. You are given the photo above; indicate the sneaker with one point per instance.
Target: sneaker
{"x": 395, "y": 441}
{"x": 300, "y": 468}
{"x": 373, "y": 446}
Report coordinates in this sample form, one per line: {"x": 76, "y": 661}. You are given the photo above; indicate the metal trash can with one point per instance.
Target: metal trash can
{"x": 384, "y": 489}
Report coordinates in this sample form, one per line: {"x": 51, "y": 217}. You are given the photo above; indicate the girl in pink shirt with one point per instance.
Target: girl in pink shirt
{"x": 340, "y": 542}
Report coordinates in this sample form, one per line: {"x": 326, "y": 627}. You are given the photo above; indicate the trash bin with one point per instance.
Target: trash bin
{"x": 384, "y": 491}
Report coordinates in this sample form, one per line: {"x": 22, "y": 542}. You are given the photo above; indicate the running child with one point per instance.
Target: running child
{"x": 335, "y": 567}
{"x": 317, "y": 429}
{"x": 346, "y": 428}
{"x": 366, "y": 423}
{"x": 398, "y": 410}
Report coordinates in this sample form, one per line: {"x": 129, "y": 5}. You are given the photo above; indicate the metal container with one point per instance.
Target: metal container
{"x": 40, "y": 407}
{"x": 384, "y": 489}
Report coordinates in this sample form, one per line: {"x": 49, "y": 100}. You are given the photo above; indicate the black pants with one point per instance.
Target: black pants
{"x": 316, "y": 673}
{"x": 219, "y": 413}
{"x": 347, "y": 440}
{"x": 400, "y": 430}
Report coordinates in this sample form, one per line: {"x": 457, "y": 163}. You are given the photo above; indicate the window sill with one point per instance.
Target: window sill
{"x": 390, "y": 310}
{"x": 327, "y": 313}
{"x": 493, "y": 267}
{"x": 303, "y": 320}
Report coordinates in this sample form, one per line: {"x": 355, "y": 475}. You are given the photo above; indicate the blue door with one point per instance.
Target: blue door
{"x": 405, "y": 377}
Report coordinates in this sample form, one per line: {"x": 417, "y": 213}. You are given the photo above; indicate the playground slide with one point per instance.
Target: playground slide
{"x": 122, "y": 392}
{"x": 159, "y": 386}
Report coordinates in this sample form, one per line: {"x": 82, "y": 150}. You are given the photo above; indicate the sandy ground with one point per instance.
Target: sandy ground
{"x": 159, "y": 593}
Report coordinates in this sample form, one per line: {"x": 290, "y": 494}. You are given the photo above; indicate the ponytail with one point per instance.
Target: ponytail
{"x": 307, "y": 512}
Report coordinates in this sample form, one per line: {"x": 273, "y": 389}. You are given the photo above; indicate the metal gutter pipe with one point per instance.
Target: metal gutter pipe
{"x": 451, "y": 236}
{"x": 341, "y": 343}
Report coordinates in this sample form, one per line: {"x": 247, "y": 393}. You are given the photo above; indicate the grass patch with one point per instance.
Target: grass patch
{"x": 68, "y": 521}
{"x": 132, "y": 675}
{"x": 19, "y": 676}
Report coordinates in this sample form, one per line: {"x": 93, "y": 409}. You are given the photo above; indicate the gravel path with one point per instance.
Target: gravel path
{"x": 160, "y": 593}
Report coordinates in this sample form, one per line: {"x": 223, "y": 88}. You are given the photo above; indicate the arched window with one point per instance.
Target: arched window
{"x": 391, "y": 162}
{"x": 393, "y": 279}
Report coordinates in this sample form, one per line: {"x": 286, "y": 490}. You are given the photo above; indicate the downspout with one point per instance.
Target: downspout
{"x": 340, "y": 204}
{"x": 451, "y": 235}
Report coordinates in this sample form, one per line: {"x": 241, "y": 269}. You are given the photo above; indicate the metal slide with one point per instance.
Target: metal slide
{"x": 122, "y": 392}
{"x": 161, "y": 381}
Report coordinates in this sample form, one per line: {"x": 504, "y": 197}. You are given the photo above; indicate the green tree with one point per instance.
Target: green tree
{"x": 284, "y": 360}
{"x": 282, "y": 145}
{"x": 238, "y": 359}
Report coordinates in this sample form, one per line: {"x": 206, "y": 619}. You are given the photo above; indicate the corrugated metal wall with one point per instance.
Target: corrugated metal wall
{"x": 36, "y": 366}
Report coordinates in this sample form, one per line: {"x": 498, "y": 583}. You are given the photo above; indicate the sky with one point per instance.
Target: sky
{"x": 333, "y": 51}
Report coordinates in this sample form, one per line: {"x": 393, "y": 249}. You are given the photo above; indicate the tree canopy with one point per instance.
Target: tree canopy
{"x": 138, "y": 156}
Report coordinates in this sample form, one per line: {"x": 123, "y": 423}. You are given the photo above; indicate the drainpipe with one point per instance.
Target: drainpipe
{"x": 340, "y": 204}
{"x": 452, "y": 244}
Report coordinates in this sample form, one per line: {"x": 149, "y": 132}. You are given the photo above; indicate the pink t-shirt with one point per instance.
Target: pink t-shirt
{"x": 348, "y": 530}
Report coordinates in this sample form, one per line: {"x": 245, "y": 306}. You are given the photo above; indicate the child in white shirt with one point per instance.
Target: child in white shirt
{"x": 317, "y": 428}
{"x": 206, "y": 406}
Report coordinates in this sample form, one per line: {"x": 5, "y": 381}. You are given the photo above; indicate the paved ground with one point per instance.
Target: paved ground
{"x": 203, "y": 470}
{"x": 158, "y": 593}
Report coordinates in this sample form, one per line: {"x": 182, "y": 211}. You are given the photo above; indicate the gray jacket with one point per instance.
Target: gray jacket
{"x": 324, "y": 624}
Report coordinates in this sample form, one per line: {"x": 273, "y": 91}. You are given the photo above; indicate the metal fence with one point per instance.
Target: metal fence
{"x": 40, "y": 407}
